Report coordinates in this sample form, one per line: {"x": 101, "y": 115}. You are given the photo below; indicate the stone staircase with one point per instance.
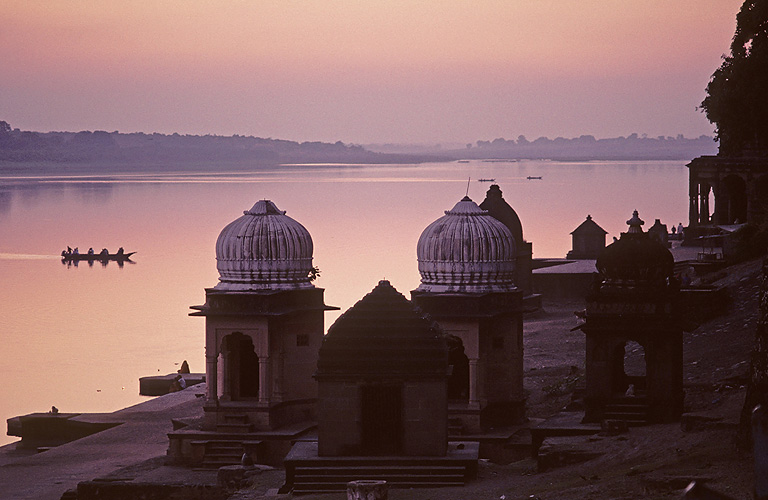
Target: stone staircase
{"x": 235, "y": 422}
{"x": 631, "y": 409}
{"x": 455, "y": 427}
{"x": 306, "y": 472}
{"x": 220, "y": 452}
{"x": 327, "y": 478}
{"x": 228, "y": 450}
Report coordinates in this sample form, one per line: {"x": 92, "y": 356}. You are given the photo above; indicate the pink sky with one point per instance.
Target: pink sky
{"x": 363, "y": 71}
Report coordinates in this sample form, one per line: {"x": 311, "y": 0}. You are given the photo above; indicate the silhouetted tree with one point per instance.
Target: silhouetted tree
{"x": 5, "y": 132}
{"x": 736, "y": 95}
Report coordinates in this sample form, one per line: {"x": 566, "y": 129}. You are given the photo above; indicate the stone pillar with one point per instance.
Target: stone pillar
{"x": 226, "y": 375}
{"x": 367, "y": 490}
{"x": 754, "y": 202}
{"x": 760, "y": 450}
{"x": 211, "y": 377}
{"x": 717, "y": 214}
{"x": 279, "y": 377}
{"x": 264, "y": 382}
{"x": 474, "y": 398}
{"x": 693, "y": 195}
{"x": 704, "y": 204}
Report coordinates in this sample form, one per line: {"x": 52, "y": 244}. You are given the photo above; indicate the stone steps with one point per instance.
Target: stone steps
{"x": 630, "y": 409}
{"x": 455, "y": 427}
{"x": 219, "y": 453}
{"x": 235, "y": 422}
{"x": 326, "y": 478}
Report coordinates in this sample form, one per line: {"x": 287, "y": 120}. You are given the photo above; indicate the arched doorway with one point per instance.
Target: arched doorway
{"x": 760, "y": 200}
{"x": 458, "y": 381}
{"x": 240, "y": 367}
{"x": 629, "y": 368}
{"x": 381, "y": 419}
{"x": 731, "y": 201}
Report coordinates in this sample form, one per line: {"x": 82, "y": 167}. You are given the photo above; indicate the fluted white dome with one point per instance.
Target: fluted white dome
{"x": 466, "y": 250}
{"x": 264, "y": 250}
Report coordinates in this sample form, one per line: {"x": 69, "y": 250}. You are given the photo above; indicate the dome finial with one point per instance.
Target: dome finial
{"x": 634, "y": 223}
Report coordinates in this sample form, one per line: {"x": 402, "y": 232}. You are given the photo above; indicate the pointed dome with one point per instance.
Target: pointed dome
{"x": 264, "y": 250}
{"x": 498, "y": 207}
{"x": 635, "y": 259}
{"x": 383, "y": 334}
{"x": 466, "y": 250}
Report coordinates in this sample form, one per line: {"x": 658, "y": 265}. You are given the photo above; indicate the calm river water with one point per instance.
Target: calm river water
{"x": 80, "y": 337}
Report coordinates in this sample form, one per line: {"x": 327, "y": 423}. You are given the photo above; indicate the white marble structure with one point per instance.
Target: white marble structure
{"x": 264, "y": 324}
{"x": 467, "y": 264}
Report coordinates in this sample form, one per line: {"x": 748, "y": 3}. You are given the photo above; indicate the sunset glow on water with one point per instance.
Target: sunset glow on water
{"x": 80, "y": 337}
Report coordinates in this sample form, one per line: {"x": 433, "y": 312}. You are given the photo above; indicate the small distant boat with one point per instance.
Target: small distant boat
{"x": 486, "y": 180}
{"x": 78, "y": 257}
{"x": 462, "y": 161}
{"x": 534, "y": 177}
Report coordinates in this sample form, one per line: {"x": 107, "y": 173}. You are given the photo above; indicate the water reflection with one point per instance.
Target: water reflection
{"x": 81, "y": 340}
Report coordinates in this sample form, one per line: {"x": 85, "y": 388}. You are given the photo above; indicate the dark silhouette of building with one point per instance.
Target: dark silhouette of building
{"x": 634, "y": 346}
{"x": 382, "y": 380}
{"x": 500, "y": 210}
{"x": 658, "y": 232}
{"x": 739, "y": 185}
{"x": 588, "y": 240}
{"x": 382, "y": 403}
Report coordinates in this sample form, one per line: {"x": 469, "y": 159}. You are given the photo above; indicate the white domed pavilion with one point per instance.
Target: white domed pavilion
{"x": 466, "y": 259}
{"x": 264, "y": 327}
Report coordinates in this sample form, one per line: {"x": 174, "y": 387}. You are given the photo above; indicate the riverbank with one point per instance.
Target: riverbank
{"x": 654, "y": 461}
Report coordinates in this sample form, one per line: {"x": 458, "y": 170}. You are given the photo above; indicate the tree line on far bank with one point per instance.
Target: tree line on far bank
{"x": 138, "y": 147}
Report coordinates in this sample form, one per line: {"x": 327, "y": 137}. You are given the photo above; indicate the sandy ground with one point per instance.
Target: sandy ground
{"x": 655, "y": 461}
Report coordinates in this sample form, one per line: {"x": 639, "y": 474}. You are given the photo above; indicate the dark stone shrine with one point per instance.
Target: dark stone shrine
{"x": 588, "y": 240}
{"x": 634, "y": 306}
{"x": 381, "y": 377}
{"x": 382, "y": 403}
{"x": 739, "y": 186}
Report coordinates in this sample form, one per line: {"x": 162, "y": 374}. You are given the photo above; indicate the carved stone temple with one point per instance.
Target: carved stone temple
{"x": 499, "y": 209}
{"x": 588, "y": 240}
{"x": 467, "y": 261}
{"x": 738, "y": 185}
{"x": 263, "y": 329}
{"x": 634, "y": 341}
{"x": 382, "y": 403}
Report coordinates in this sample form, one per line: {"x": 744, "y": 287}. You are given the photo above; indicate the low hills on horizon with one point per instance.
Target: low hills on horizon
{"x": 103, "y": 147}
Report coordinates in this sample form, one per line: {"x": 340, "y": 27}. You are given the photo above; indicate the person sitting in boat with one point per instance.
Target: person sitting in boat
{"x": 120, "y": 251}
{"x": 75, "y": 251}
{"x": 104, "y": 253}
{"x": 90, "y": 251}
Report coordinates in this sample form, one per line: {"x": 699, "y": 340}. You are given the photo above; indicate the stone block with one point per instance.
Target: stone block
{"x": 367, "y": 490}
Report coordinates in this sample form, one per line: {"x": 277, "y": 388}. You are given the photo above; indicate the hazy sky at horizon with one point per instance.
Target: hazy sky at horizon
{"x": 363, "y": 71}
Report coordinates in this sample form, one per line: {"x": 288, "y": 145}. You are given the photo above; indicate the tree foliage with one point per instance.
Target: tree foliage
{"x": 737, "y": 94}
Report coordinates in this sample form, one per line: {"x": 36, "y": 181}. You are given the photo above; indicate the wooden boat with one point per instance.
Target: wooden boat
{"x": 534, "y": 177}
{"x": 486, "y": 180}
{"x": 78, "y": 257}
